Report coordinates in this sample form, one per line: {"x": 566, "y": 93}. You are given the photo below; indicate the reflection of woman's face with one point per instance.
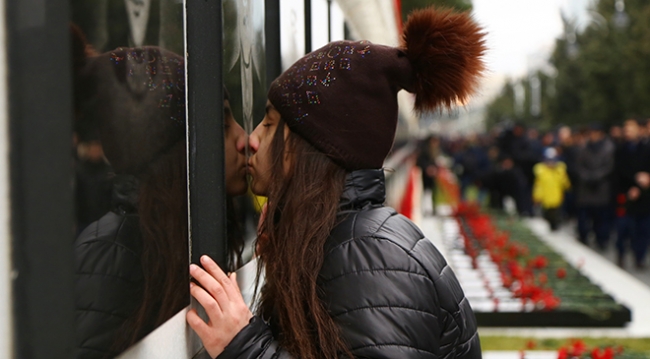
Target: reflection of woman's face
{"x": 260, "y": 145}
{"x": 235, "y": 154}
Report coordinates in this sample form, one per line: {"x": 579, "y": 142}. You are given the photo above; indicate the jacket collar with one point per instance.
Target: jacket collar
{"x": 363, "y": 188}
{"x": 125, "y": 194}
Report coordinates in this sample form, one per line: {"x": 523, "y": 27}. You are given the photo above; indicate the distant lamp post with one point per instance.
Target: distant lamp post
{"x": 621, "y": 18}
{"x": 535, "y": 95}
{"x": 520, "y": 99}
{"x": 572, "y": 45}
{"x": 598, "y": 19}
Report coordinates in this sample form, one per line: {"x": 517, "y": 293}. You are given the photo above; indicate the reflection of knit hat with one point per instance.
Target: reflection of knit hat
{"x": 138, "y": 104}
{"x": 342, "y": 98}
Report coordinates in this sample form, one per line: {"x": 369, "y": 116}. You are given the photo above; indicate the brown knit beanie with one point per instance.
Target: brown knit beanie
{"x": 342, "y": 98}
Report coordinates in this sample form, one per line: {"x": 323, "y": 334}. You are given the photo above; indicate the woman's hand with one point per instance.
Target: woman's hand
{"x": 222, "y": 300}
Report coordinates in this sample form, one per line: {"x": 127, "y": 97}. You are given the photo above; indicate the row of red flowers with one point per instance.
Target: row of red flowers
{"x": 577, "y": 348}
{"x": 520, "y": 270}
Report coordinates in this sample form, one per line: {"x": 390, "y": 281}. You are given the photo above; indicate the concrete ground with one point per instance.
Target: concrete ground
{"x": 569, "y": 229}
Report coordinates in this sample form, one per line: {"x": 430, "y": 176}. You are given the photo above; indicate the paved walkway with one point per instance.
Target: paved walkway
{"x": 610, "y": 253}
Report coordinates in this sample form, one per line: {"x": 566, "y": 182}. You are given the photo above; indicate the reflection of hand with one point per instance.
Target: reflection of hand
{"x": 219, "y": 294}
{"x": 634, "y": 193}
{"x": 643, "y": 179}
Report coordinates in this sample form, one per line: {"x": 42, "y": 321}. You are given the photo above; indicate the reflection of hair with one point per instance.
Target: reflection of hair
{"x": 234, "y": 230}
{"x": 301, "y": 211}
{"x": 81, "y": 51}
{"x": 162, "y": 208}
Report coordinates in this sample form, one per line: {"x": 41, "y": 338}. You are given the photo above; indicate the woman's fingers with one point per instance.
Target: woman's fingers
{"x": 228, "y": 315}
{"x": 212, "y": 286}
{"x": 200, "y": 327}
{"x": 216, "y": 272}
{"x": 211, "y": 306}
{"x": 233, "y": 279}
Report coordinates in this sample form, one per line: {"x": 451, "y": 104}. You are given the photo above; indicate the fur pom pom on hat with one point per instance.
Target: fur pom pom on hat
{"x": 342, "y": 98}
{"x": 446, "y": 51}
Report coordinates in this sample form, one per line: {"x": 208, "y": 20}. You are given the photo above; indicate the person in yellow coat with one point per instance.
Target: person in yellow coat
{"x": 551, "y": 181}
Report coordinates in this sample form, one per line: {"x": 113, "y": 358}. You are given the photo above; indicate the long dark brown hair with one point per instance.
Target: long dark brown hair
{"x": 301, "y": 213}
{"x": 162, "y": 211}
{"x": 163, "y": 216}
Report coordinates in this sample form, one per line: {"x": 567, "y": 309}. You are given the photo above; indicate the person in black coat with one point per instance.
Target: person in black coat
{"x": 594, "y": 166}
{"x": 632, "y": 168}
{"x": 505, "y": 180}
{"x": 473, "y": 163}
{"x": 426, "y": 161}
{"x": 346, "y": 276}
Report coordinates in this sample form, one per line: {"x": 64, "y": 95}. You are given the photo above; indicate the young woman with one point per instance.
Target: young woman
{"x": 347, "y": 276}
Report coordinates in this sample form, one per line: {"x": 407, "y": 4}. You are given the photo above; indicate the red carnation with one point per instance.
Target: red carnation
{"x": 540, "y": 262}
{"x": 579, "y": 347}
{"x": 543, "y": 278}
{"x": 608, "y": 353}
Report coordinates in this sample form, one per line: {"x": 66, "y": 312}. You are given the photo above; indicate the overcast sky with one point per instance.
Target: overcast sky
{"x": 522, "y": 31}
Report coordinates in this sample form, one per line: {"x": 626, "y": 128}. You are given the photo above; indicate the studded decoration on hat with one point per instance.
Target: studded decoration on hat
{"x": 137, "y": 103}
{"x": 321, "y": 73}
{"x": 143, "y": 66}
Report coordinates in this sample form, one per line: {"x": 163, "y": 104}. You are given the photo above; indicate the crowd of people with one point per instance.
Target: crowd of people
{"x": 594, "y": 175}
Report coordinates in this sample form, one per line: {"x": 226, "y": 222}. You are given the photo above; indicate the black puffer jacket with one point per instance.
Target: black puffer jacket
{"x": 594, "y": 167}
{"x": 631, "y": 158}
{"x": 385, "y": 284}
{"x": 108, "y": 275}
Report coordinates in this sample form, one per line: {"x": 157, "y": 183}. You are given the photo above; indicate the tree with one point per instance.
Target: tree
{"x": 409, "y": 5}
{"x": 602, "y": 71}
{"x": 503, "y": 109}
